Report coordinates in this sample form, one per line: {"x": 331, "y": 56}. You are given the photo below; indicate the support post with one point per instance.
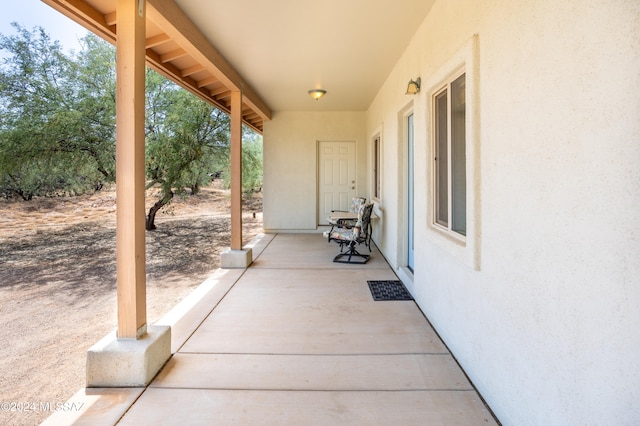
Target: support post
{"x": 132, "y": 355}
{"x": 236, "y": 257}
{"x": 236, "y": 170}
{"x": 130, "y": 170}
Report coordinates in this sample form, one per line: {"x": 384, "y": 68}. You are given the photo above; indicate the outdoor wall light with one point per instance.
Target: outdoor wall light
{"x": 317, "y": 93}
{"x": 413, "y": 87}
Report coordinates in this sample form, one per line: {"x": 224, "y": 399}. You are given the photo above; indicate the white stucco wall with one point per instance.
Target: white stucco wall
{"x": 290, "y": 164}
{"x": 547, "y": 323}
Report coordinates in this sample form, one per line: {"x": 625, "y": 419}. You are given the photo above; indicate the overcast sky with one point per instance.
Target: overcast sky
{"x": 34, "y": 13}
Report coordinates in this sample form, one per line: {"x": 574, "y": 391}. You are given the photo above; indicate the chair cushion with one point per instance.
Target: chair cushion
{"x": 357, "y": 204}
{"x": 344, "y": 234}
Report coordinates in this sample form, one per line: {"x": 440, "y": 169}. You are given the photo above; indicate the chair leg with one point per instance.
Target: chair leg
{"x": 350, "y": 254}
{"x": 329, "y": 234}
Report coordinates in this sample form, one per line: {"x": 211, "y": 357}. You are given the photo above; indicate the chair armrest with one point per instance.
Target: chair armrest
{"x": 346, "y": 223}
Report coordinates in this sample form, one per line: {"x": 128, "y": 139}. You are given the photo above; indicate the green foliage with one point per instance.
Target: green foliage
{"x": 251, "y": 162}
{"x": 57, "y": 116}
{"x": 185, "y": 136}
{"x": 57, "y": 124}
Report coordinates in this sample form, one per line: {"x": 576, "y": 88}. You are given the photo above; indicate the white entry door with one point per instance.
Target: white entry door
{"x": 336, "y": 177}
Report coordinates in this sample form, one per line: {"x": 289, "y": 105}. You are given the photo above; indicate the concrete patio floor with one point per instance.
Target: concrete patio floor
{"x": 295, "y": 339}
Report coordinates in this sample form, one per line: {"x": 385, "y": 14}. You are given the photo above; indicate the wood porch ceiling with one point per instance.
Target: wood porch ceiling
{"x": 177, "y": 49}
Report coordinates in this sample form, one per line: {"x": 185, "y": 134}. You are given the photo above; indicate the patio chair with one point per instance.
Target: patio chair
{"x": 348, "y": 221}
{"x": 350, "y": 237}
{"x": 357, "y": 203}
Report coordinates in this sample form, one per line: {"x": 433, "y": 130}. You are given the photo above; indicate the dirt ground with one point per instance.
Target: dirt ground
{"x": 58, "y": 286}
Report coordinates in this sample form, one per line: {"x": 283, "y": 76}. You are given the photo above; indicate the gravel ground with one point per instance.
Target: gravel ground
{"x": 58, "y": 290}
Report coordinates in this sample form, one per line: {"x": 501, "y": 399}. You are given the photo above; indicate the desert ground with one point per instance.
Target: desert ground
{"x": 58, "y": 286}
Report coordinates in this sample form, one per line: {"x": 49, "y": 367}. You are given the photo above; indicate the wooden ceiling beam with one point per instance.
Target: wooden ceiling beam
{"x": 173, "y": 55}
{"x": 110, "y": 18}
{"x": 218, "y": 91}
{"x": 207, "y": 81}
{"x": 157, "y": 40}
{"x": 222, "y": 96}
{"x": 85, "y": 15}
{"x": 173, "y": 73}
{"x": 167, "y": 15}
{"x": 184, "y": 33}
{"x": 192, "y": 70}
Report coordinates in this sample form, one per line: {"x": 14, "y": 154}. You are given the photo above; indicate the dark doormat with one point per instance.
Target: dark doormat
{"x": 389, "y": 290}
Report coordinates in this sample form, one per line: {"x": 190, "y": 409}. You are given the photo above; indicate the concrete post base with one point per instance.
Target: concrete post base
{"x": 230, "y": 259}
{"x": 114, "y": 362}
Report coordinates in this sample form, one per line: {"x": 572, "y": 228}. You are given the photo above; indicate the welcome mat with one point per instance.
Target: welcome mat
{"x": 389, "y": 290}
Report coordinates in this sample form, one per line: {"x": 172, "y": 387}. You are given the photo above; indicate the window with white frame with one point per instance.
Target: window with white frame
{"x": 377, "y": 169}
{"x": 449, "y": 146}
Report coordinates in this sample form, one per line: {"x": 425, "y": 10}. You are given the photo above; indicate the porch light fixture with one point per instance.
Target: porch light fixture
{"x": 317, "y": 93}
{"x": 413, "y": 87}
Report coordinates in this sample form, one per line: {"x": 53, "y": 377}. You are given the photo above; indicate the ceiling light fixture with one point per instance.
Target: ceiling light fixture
{"x": 413, "y": 87}
{"x": 317, "y": 93}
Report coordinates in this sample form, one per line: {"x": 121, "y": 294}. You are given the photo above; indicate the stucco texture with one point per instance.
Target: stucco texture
{"x": 290, "y": 164}
{"x": 540, "y": 303}
{"x": 546, "y": 325}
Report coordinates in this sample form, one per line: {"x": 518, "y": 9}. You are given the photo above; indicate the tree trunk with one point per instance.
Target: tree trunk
{"x": 195, "y": 188}
{"x": 151, "y": 217}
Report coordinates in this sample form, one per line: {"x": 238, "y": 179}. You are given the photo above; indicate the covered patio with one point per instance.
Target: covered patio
{"x": 518, "y": 238}
{"x": 294, "y": 339}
